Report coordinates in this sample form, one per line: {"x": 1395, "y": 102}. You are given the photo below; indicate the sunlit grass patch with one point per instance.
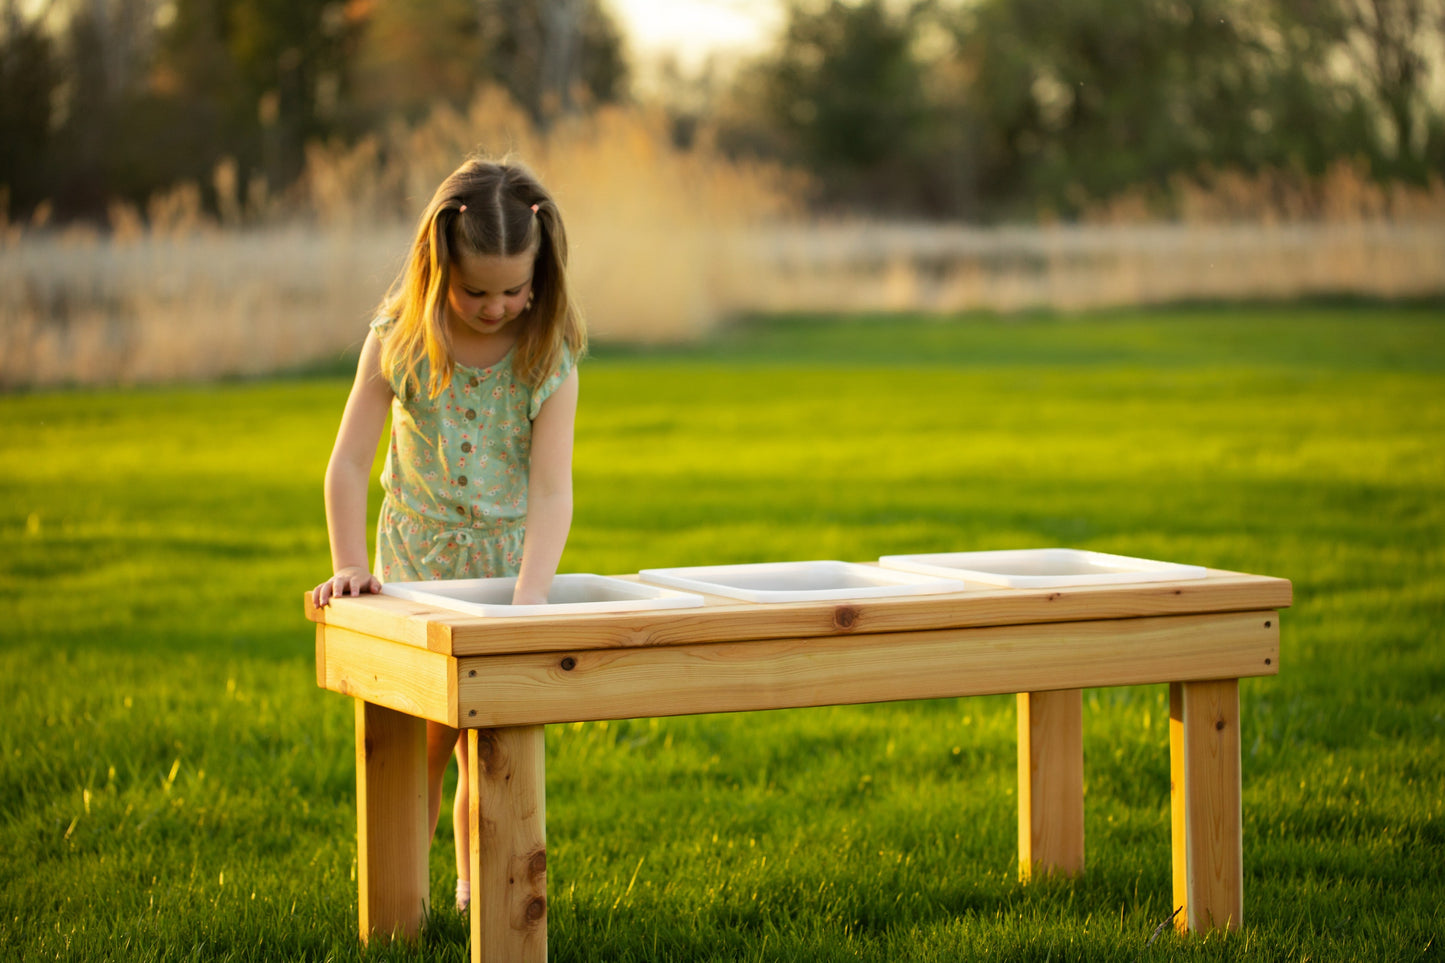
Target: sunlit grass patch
{"x": 165, "y": 753}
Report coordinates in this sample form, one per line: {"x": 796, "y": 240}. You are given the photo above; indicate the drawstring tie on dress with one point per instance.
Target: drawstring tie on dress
{"x": 458, "y": 538}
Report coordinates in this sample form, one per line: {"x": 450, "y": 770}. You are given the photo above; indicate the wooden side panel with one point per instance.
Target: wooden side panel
{"x": 1051, "y": 782}
{"x": 508, "y": 845}
{"x": 401, "y": 677}
{"x": 1213, "y": 820}
{"x": 594, "y": 684}
{"x": 391, "y": 822}
{"x": 321, "y": 656}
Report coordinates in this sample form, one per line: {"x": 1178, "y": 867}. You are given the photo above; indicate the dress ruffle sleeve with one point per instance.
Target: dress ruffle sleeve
{"x": 383, "y": 326}
{"x": 554, "y": 381}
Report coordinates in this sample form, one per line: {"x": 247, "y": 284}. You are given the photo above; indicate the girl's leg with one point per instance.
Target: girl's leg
{"x": 439, "y": 742}
{"x": 461, "y": 810}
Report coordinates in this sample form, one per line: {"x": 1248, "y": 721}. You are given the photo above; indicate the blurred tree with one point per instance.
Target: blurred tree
{"x": 933, "y": 108}
{"x": 109, "y": 45}
{"x": 71, "y": 72}
{"x": 1085, "y": 99}
{"x": 547, "y": 53}
{"x": 844, "y": 95}
{"x": 263, "y": 76}
{"x": 416, "y": 54}
{"x": 1009, "y": 107}
{"x": 29, "y": 79}
{"x": 122, "y": 98}
{"x": 1311, "y": 118}
{"x": 1379, "y": 67}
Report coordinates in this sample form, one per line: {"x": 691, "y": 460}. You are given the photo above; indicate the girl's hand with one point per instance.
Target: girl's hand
{"x": 352, "y": 580}
{"x": 529, "y": 598}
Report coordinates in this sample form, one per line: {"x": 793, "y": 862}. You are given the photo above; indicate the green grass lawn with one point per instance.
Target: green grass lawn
{"x": 175, "y": 787}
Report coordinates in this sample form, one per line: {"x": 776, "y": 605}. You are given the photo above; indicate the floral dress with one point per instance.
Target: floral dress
{"x": 456, "y": 473}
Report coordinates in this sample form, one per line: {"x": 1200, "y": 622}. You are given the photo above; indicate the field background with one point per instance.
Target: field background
{"x": 181, "y": 293}
{"x": 175, "y": 787}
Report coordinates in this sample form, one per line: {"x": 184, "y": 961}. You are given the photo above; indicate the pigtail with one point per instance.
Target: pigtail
{"x": 555, "y": 324}
{"x": 420, "y": 339}
{"x": 434, "y": 320}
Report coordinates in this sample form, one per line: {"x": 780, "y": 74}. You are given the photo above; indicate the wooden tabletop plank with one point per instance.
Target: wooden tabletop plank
{"x": 728, "y": 620}
{"x": 394, "y": 619}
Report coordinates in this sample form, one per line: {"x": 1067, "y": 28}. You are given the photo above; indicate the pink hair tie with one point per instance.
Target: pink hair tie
{"x": 534, "y": 208}
{"x": 464, "y": 208}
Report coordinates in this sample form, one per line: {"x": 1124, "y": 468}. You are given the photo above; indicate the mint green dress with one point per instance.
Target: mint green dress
{"x": 456, "y": 473}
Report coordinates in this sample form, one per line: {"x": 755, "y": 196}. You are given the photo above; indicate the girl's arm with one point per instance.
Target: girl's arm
{"x": 349, "y": 473}
{"x": 549, "y": 494}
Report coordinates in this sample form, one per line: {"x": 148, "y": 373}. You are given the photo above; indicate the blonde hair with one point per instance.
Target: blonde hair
{"x": 491, "y": 209}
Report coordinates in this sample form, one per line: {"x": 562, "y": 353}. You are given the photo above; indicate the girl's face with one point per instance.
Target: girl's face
{"x": 486, "y": 292}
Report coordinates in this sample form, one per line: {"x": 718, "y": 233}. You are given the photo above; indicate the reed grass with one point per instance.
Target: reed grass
{"x": 283, "y": 280}
{"x": 668, "y": 242}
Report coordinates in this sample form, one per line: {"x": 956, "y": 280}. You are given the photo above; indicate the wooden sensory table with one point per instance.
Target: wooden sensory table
{"x": 503, "y": 680}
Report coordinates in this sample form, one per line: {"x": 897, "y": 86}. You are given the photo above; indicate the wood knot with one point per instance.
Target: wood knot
{"x": 1219, "y": 726}
{"x": 536, "y": 909}
{"x": 1055, "y": 596}
{"x": 568, "y": 664}
{"x": 487, "y": 752}
{"x": 537, "y": 865}
{"x": 845, "y": 616}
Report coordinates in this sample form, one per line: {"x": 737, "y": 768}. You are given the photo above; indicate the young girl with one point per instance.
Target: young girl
{"x": 474, "y": 353}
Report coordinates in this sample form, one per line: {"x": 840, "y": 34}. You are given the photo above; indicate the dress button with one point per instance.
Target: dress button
{"x": 466, "y": 446}
{"x": 471, "y": 414}
{"x": 474, "y": 382}
{"x": 461, "y": 479}
{"x": 461, "y": 509}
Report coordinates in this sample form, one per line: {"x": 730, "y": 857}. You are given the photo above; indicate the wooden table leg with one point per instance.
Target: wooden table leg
{"x": 508, "y": 823}
{"x": 1051, "y": 782}
{"x": 391, "y": 830}
{"x": 1207, "y": 822}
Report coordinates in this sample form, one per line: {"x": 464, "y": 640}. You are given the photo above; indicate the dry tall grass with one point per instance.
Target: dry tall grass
{"x": 666, "y": 242}
{"x": 946, "y": 269}
{"x": 1224, "y": 236}
{"x": 284, "y": 280}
